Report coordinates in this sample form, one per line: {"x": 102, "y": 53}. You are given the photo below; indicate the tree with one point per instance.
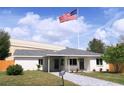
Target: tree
{"x": 115, "y": 55}
{"x": 4, "y": 44}
{"x": 96, "y": 45}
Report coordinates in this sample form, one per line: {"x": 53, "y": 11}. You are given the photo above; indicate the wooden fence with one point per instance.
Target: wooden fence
{"x": 112, "y": 69}
{"x": 5, "y": 63}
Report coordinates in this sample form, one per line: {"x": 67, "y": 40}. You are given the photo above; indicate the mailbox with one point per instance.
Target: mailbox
{"x": 61, "y": 73}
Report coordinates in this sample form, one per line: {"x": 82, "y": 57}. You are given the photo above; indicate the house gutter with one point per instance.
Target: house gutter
{"x": 73, "y": 55}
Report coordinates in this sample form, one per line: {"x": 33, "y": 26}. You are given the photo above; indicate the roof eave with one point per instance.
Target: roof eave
{"x": 27, "y": 56}
{"x": 73, "y": 55}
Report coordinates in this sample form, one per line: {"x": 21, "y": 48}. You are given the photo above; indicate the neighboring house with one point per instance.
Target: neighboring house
{"x": 29, "y": 45}
{"x": 68, "y": 59}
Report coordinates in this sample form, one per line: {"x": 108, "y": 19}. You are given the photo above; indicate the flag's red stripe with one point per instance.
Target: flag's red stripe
{"x": 67, "y": 17}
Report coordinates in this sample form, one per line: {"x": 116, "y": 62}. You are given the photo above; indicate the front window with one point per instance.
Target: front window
{"x": 73, "y": 61}
{"x": 99, "y": 62}
{"x": 40, "y": 61}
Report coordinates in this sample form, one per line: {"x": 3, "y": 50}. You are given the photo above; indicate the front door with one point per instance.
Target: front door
{"x": 56, "y": 64}
{"x": 81, "y": 64}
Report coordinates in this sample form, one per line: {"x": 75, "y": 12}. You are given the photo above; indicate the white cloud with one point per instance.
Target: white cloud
{"x": 18, "y": 32}
{"x": 36, "y": 38}
{"x": 118, "y": 25}
{"x": 29, "y": 19}
{"x": 64, "y": 42}
{"x": 111, "y": 31}
{"x": 114, "y": 27}
{"x": 35, "y": 27}
{"x": 110, "y": 12}
{"x": 50, "y": 30}
{"x": 101, "y": 35}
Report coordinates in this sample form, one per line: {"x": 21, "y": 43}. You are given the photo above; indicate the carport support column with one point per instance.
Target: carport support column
{"x": 68, "y": 64}
{"x": 48, "y": 64}
{"x": 78, "y": 64}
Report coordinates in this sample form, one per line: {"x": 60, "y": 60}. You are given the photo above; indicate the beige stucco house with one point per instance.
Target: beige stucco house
{"x": 30, "y": 45}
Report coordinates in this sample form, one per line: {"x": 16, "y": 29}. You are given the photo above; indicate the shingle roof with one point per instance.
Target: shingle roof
{"x": 72, "y": 51}
{"x": 23, "y": 52}
{"x": 67, "y": 52}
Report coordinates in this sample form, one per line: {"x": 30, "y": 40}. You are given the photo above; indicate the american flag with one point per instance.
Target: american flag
{"x": 68, "y": 16}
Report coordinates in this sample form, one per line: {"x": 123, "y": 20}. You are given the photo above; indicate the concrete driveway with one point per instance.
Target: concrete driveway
{"x": 85, "y": 80}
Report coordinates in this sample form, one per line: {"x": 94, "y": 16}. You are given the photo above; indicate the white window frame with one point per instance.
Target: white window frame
{"x": 99, "y": 62}
{"x": 71, "y": 63}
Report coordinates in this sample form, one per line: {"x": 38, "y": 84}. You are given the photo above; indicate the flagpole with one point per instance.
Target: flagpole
{"x": 78, "y": 31}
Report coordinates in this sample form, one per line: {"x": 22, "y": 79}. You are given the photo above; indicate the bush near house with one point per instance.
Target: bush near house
{"x": 14, "y": 70}
{"x": 38, "y": 67}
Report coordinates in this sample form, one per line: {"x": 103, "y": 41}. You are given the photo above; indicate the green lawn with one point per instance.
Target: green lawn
{"x": 32, "y": 78}
{"x": 114, "y": 77}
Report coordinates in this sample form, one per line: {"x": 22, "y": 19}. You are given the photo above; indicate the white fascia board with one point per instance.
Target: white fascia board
{"x": 73, "y": 55}
{"x": 28, "y": 56}
{"x": 61, "y": 55}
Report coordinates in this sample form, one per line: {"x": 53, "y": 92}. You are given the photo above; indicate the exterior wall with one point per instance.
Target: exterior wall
{"x": 86, "y": 64}
{"x": 89, "y": 64}
{"x": 35, "y": 45}
{"x": 28, "y": 63}
{"x": 93, "y": 65}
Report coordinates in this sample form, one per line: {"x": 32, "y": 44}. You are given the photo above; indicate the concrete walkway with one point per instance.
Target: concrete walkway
{"x": 85, "y": 80}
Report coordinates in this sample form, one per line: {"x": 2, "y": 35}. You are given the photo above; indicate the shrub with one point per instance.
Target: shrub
{"x": 100, "y": 69}
{"x": 107, "y": 70}
{"x": 94, "y": 70}
{"x": 77, "y": 70}
{"x": 71, "y": 71}
{"x": 14, "y": 70}
{"x": 38, "y": 67}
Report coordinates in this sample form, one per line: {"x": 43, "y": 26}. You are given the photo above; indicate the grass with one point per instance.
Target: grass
{"x": 114, "y": 77}
{"x": 32, "y": 78}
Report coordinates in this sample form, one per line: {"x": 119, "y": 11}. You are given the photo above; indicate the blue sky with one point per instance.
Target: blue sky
{"x": 42, "y": 25}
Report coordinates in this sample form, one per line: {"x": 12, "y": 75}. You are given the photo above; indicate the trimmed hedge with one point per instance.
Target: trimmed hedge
{"x": 14, "y": 70}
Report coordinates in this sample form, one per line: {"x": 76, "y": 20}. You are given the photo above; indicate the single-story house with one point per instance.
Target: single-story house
{"x": 68, "y": 59}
